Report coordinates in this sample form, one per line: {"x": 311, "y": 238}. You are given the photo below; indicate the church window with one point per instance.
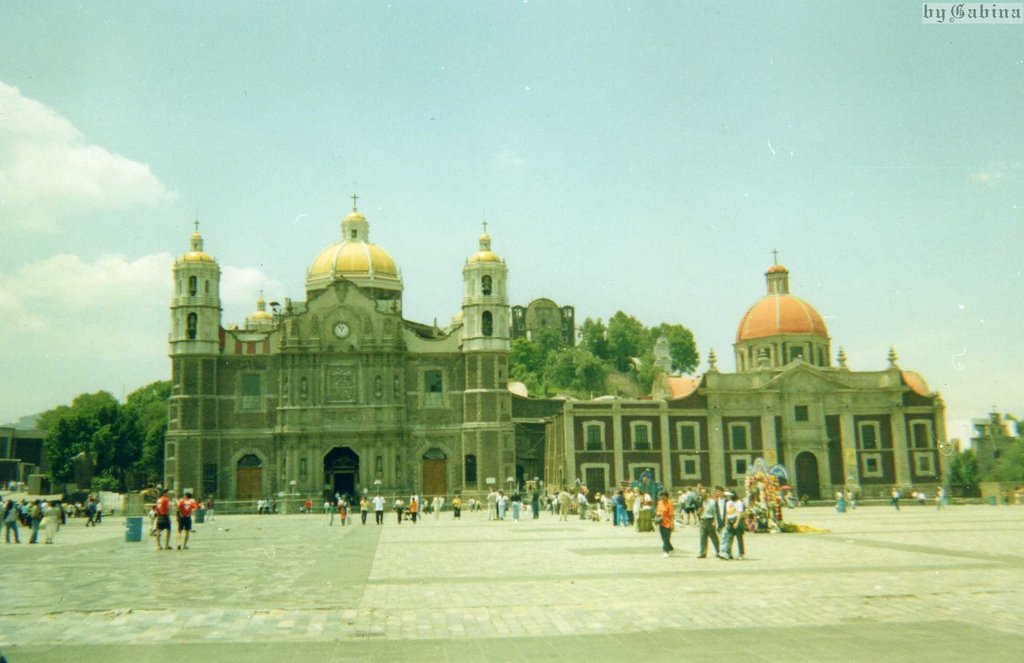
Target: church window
{"x": 379, "y": 467}
{"x": 636, "y": 470}
{"x": 688, "y": 467}
{"x": 396, "y": 387}
{"x": 921, "y": 435}
{"x": 251, "y": 392}
{"x": 487, "y": 321}
{"x": 485, "y": 285}
{"x": 303, "y": 468}
{"x": 800, "y": 413}
{"x": 193, "y": 285}
{"x": 796, "y": 353}
{"x": 872, "y": 466}
{"x": 924, "y": 464}
{"x": 378, "y": 387}
{"x": 179, "y": 286}
{"x": 739, "y": 465}
{"x": 353, "y": 234}
{"x": 593, "y": 434}
{"x": 687, "y": 436}
{"x": 206, "y": 286}
{"x": 193, "y": 325}
{"x": 868, "y": 435}
{"x": 303, "y": 388}
{"x": 470, "y": 469}
{"x": 433, "y": 385}
{"x": 739, "y": 437}
{"x": 641, "y": 436}
{"x": 209, "y": 478}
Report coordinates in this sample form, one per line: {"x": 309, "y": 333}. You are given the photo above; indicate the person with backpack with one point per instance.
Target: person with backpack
{"x": 10, "y": 520}
{"x": 35, "y": 518}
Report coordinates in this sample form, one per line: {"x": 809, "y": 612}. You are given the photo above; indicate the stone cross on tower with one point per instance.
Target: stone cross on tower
{"x": 355, "y": 198}
{"x": 775, "y": 256}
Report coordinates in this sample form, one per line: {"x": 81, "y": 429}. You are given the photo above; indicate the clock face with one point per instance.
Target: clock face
{"x": 341, "y": 330}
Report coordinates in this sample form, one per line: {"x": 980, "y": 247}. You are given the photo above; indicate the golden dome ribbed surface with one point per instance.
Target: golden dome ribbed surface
{"x": 780, "y": 314}
{"x": 484, "y": 256}
{"x": 353, "y": 259}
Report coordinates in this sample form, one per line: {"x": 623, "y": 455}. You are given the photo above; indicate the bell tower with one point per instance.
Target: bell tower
{"x": 195, "y": 306}
{"x": 194, "y": 347}
{"x": 488, "y": 435}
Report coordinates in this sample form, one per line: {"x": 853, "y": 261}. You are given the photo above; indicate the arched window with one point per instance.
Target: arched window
{"x": 470, "y": 469}
{"x": 485, "y": 285}
{"x": 487, "y": 321}
{"x": 378, "y": 387}
{"x": 193, "y": 324}
{"x": 193, "y": 285}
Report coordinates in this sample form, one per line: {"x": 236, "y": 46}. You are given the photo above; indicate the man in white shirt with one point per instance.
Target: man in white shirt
{"x": 733, "y": 527}
{"x": 378, "y": 508}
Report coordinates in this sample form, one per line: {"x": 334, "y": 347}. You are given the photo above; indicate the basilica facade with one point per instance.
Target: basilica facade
{"x": 340, "y": 393}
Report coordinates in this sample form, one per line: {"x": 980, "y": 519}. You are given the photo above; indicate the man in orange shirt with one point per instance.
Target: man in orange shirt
{"x": 163, "y": 520}
{"x": 186, "y": 505}
{"x": 666, "y": 516}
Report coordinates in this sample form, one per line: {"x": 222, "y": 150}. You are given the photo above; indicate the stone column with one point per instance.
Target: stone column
{"x": 666, "y": 457}
{"x": 569, "y": 447}
{"x": 768, "y": 441}
{"x": 899, "y": 447}
{"x": 616, "y": 431}
{"x": 716, "y": 446}
{"x": 848, "y": 444}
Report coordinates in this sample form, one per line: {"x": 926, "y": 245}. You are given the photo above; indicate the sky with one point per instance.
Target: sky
{"x": 644, "y": 157}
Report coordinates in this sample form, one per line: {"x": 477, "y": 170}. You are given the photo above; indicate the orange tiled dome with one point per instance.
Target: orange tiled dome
{"x": 780, "y": 314}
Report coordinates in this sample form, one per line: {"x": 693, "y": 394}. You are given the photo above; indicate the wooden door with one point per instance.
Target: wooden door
{"x": 434, "y": 482}
{"x": 249, "y": 485}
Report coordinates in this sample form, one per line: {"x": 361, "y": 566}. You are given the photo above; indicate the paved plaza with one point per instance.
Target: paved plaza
{"x": 917, "y": 585}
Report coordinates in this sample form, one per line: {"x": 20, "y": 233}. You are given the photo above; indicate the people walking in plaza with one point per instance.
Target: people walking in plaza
{"x": 517, "y": 504}
{"x": 163, "y": 520}
{"x": 51, "y": 520}
{"x": 399, "y": 508}
{"x": 502, "y": 504}
{"x": 378, "y": 508}
{"x": 414, "y": 507}
{"x": 435, "y": 505}
{"x": 90, "y": 512}
{"x": 457, "y": 508}
{"x": 364, "y": 508}
{"x": 535, "y": 503}
{"x": 186, "y": 505}
{"x": 99, "y": 512}
{"x": 665, "y": 514}
{"x": 894, "y": 495}
{"x": 940, "y": 497}
{"x": 35, "y": 519}
{"x": 209, "y": 509}
{"x": 330, "y": 510}
{"x": 564, "y": 504}
{"x": 343, "y": 511}
{"x": 10, "y": 520}
{"x": 711, "y": 520}
{"x": 492, "y": 504}
{"x": 734, "y": 527}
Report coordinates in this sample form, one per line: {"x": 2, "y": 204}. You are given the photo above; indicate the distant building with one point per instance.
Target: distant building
{"x": 544, "y": 314}
{"x": 22, "y": 453}
{"x": 993, "y": 437}
{"x": 829, "y": 426}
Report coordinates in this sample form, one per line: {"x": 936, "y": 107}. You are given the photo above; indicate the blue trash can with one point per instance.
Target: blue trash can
{"x": 200, "y": 516}
{"x": 992, "y": 500}
{"x": 133, "y": 529}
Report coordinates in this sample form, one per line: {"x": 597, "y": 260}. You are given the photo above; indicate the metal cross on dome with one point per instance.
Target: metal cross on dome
{"x": 354, "y": 199}
{"x": 775, "y": 256}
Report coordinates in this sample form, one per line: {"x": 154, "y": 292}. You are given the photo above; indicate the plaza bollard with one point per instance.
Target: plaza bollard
{"x": 200, "y": 516}
{"x": 133, "y": 529}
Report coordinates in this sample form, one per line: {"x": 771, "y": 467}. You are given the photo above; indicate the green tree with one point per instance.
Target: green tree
{"x": 1011, "y": 464}
{"x": 594, "y": 338}
{"x": 146, "y": 411}
{"x": 963, "y": 472}
{"x": 683, "y": 347}
{"x": 627, "y": 338}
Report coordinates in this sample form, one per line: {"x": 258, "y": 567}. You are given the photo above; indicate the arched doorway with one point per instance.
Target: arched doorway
{"x": 249, "y": 478}
{"x": 435, "y": 476}
{"x": 341, "y": 470}
{"x": 807, "y": 475}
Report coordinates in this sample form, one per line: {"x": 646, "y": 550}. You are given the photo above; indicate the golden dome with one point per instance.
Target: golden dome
{"x": 777, "y": 314}
{"x": 360, "y": 262}
{"x": 196, "y": 256}
{"x": 484, "y": 256}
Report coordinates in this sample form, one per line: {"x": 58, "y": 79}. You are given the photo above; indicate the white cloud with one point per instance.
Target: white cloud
{"x": 74, "y": 325}
{"x": 48, "y": 171}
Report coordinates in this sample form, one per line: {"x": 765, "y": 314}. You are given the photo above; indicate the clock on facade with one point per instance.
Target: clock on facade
{"x": 341, "y": 330}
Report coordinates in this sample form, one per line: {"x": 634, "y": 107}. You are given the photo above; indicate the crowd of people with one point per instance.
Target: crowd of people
{"x": 48, "y": 515}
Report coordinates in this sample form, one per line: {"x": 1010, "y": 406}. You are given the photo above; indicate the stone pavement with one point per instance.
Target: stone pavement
{"x": 917, "y": 585}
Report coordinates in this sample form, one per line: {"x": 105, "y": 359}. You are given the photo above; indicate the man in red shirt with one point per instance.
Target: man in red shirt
{"x": 163, "y": 520}
{"x": 186, "y": 505}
